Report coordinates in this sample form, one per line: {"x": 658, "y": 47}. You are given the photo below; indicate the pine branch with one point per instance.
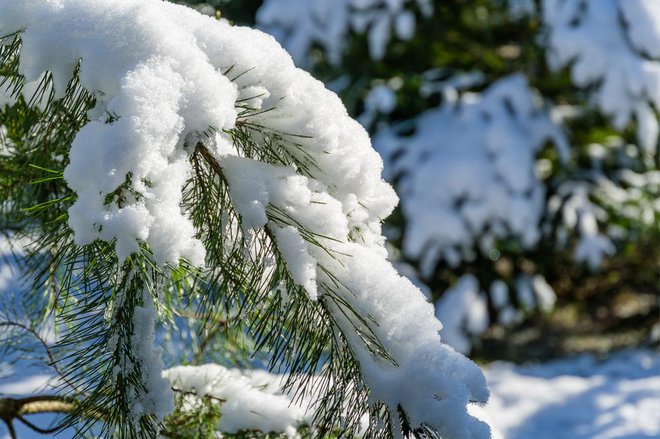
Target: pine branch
{"x": 245, "y": 279}
{"x": 299, "y": 334}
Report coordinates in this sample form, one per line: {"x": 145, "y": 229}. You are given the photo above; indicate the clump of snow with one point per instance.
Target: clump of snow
{"x": 381, "y": 99}
{"x": 160, "y": 90}
{"x": 6, "y": 146}
{"x": 157, "y": 69}
{"x": 433, "y": 82}
{"x": 612, "y": 200}
{"x": 463, "y": 311}
{"x": 543, "y": 292}
{"x": 301, "y": 265}
{"x": 467, "y": 175}
{"x": 579, "y": 213}
{"x": 250, "y": 399}
{"x": 463, "y": 308}
{"x": 154, "y": 395}
{"x": 429, "y": 395}
{"x": 301, "y": 24}
{"x": 402, "y": 322}
{"x": 499, "y": 297}
{"x": 611, "y": 47}
{"x": 637, "y": 193}
{"x": 577, "y": 398}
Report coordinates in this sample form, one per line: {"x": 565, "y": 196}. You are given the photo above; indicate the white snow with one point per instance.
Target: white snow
{"x": 463, "y": 312}
{"x": 381, "y": 99}
{"x": 158, "y": 69}
{"x": 611, "y": 46}
{"x": 468, "y": 175}
{"x": 301, "y": 24}
{"x": 543, "y": 292}
{"x": 582, "y": 215}
{"x": 6, "y": 147}
{"x": 154, "y": 396}
{"x": 580, "y": 397}
{"x": 28, "y": 386}
{"x": 642, "y": 18}
{"x": 11, "y": 250}
{"x": 300, "y": 264}
{"x": 408, "y": 331}
{"x": 251, "y": 399}
{"x": 577, "y": 398}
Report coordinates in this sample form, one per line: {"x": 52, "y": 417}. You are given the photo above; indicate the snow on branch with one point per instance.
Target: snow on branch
{"x": 467, "y": 175}
{"x": 179, "y": 96}
{"x": 249, "y": 399}
{"x": 301, "y": 24}
{"x": 611, "y": 47}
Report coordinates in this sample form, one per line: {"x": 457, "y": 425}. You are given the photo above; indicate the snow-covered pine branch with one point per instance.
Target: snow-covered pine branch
{"x": 248, "y": 399}
{"x": 470, "y": 166}
{"x": 301, "y": 24}
{"x": 613, "y": 49}
{"x": 203, "y": 150}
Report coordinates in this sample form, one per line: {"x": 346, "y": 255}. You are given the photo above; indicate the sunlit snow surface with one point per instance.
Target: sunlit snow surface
{"x": 578, "y": 398}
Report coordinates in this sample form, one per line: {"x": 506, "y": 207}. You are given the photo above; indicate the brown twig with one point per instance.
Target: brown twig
{"x": 12, "y": 409}
{"x": 209, "y": 158}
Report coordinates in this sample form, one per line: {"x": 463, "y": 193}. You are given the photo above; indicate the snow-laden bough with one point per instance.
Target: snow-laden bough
{"x": 611, "y": 47}
{"x": 471, "y": 166}
{"x": 162, "y": 75}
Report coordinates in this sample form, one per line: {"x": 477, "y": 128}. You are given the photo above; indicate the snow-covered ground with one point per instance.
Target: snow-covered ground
{"x": 581, "y": 397}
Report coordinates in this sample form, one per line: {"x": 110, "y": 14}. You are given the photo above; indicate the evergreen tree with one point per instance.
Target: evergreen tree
{"x": 160, "y": 167}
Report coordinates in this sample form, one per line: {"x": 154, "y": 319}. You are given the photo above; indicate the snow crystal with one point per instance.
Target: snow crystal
{"x": 606, "y": 44}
